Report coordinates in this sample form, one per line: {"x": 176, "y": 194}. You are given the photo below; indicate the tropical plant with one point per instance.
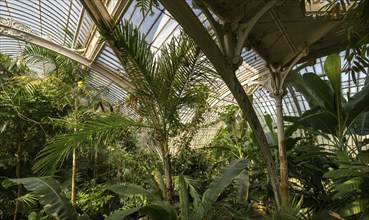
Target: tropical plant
{"x": 201, "y": 207}
{"x": 351, "y": 180}
{"x": 160, "y": 88}
{"x": 235, "y": 140}
{"x": 26, "y": 105}
{"x": 329, "y": 112}
{"x": 49, "y": 194}
{"x": 74, "y": 75}
{"x": 11, "y": 67}
{"x": 91, "y": 199}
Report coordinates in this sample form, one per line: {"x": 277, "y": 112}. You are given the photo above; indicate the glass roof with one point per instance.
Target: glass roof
{"x": 66, "y": 27}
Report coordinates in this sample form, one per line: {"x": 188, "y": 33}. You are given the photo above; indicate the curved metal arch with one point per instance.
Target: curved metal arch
{"x": 17, "y": 30}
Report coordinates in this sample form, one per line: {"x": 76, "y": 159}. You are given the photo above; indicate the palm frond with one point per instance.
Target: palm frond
{"x": 36, "y": 54}
{"x": 105, "y": 127}
{"x": 145, "y": 6}
{"x": 134, "y": 54}
{"x": 29, "y": 199}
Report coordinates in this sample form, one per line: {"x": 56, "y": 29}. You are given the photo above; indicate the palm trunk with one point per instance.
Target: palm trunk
{"x": 73, "y": 193}
{"x": 74, "y": 156}
{"x": 167, "y": 171}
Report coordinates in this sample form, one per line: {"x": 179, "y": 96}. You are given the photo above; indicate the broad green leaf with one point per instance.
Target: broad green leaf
{"x": 133, "y": 190}
{"x": 343, "y": 159}
{"x": 122, "y": 214}
{"x": 357, "y": 104}
{"x": 315, "y": 90}
{"x": 291, "y": 129}
{"x": 226, "y": 176}
{"x": 361, "y": 125}
{"x": 350, "y": 185}
{"x": 341, "y": 173}
{"x": 364, "y": 156}
{"x": 183, "y": 199}
{"x": 197, "y": 205}
{"x": 269, "y": 121}
{"x": 157, "y": 212}
{"x": 51, "y": 197}
{"x": 324, "y": 121}
{"x": 355, "y": 207}
{"x": 8, "y": 183}
{"x": 332, "y": 68}
{"x": 32, "y": 216}
{"x": 244, "y": 185}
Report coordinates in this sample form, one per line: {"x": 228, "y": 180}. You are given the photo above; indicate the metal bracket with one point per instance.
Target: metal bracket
{"x": 276, "y": 79}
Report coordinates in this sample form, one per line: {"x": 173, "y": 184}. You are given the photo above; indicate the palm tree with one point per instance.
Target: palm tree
{"x": 160, "y": 88}
{"x": 70, "y": 73}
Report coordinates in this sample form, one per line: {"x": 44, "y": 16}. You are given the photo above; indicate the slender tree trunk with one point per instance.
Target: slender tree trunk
{"x": 167, "y": 172}
{"x": 282, "y": 149}
{"x": 74, "y": 156}
{"x": 73, "y": 193}
{"x": 18, "y": 175}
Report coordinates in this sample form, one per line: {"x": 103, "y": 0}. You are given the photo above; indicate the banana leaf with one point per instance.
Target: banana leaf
{"x": 226, "y": 176}
{"x": 50, "y": 196}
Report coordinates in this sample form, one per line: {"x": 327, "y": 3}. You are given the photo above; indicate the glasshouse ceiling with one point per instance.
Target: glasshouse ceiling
{"x": 278, "y": 31}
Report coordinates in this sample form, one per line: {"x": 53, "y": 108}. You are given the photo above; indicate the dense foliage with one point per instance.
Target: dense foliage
{"x": 68, "y": 154}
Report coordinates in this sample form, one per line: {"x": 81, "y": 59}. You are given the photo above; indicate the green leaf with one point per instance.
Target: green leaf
{"x": 350, "y": 185}
{"x": 315, "y": 90}
{"x": 244, "y": 185}
{"x": 291, "y": 129}
{"x": 8, "y": 183}
{"x": 157, "y": 212}
{"x": 343, "y": 159}
{"x": 51, "y": 199}
{"x": 332, "y": 68}
{"x": 183, "y": 198}
{"x": 364, "y": 156}
{"x": 101, "y": 130}
{"x": 341, "y": 173}
{"x": 357, "y": 104}
{"x": 196, "y": 200}
{"x": 324, "y": 121}
{"x": 226, "y": 176}
{"x": 32, "y": 216}
{"x": 134, "y": 190}
{"x": 355, "y": 207}
{"x": 122, "y": 214}
{"x": 361, "y": 124}
{"x": 269, "y": 121}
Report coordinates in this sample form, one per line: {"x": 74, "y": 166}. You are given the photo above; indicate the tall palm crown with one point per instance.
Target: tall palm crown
{"x": 162, "y": 85}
